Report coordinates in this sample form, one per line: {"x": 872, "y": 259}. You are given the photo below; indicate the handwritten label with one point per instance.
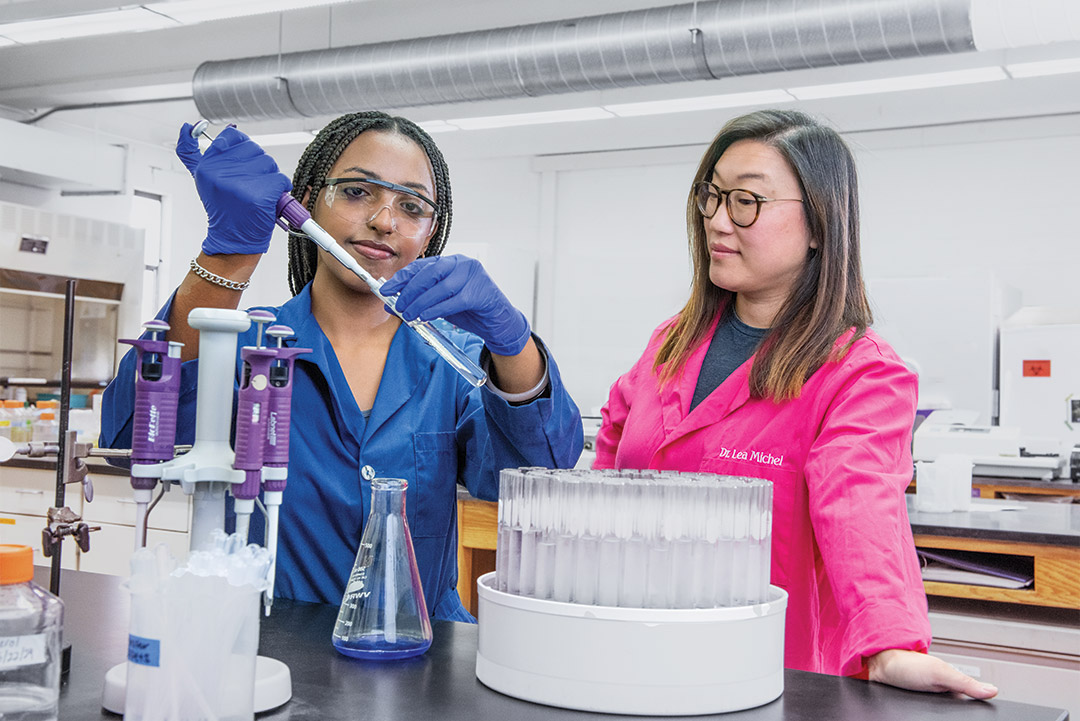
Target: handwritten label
{"x": 144, "y": 651}
{"x": 19, "y": 651}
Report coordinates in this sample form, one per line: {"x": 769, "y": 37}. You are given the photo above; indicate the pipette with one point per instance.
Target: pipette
{"x": 251, "y": 415}
{"x": 157, "y": 389}
{"x": 291, "y": 212}
{"x": 275, "y": 469}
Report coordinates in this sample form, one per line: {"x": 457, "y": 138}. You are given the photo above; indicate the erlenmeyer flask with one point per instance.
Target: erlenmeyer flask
{"x": 383, "y": 614}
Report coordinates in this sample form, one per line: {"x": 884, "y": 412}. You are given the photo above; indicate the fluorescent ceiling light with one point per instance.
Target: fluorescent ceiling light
{"x": 904, "y": 82}
{"x": 709, "y": 102}
{"x": 299, "y": 137}
{"x": 437, "y": 126}
{"x": 190, "y": 12}
{"x": 124, "y": 20}
{"x": 551, "y": 116}
{"x": 151, "y": 16}
{"x": 1045, "y": 67}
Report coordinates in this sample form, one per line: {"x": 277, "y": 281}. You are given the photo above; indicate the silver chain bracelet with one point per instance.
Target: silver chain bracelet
{"x": 216, "y": 279}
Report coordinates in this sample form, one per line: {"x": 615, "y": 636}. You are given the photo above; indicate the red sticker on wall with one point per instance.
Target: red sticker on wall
{"x": 1037, "y": 368}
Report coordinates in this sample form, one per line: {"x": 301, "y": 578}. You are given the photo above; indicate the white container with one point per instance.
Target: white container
{"x": 649, "y": 662}
{"x": 944, "y": 485}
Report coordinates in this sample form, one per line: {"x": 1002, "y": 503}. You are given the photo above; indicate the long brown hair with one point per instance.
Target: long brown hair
{"x": 828, "y": 298}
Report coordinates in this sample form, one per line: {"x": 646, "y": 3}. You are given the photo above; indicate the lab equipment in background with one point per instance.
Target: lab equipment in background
{"x": 1040, "y": 383}
{"x": 688, "y": 540}
{"x": 691, "y": 567}
{"x": 383, "y": 615}
{"x": 195, "y": 632}
{"x": 944, "y": 485}
{"x": 31, "y": 620}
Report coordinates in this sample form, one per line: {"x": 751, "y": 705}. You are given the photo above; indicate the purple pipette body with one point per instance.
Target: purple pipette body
{"x": 251, "y": 414}
{"x": 276, "y": 454}
{"x": 157, "y": 393}
{"x": 251, "y": 410}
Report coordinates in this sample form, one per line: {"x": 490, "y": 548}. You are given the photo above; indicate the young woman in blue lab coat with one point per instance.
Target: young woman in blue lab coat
{"x": 371, "y": 400}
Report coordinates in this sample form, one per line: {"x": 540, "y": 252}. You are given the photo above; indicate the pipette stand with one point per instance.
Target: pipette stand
{"x": 205, "y": 473}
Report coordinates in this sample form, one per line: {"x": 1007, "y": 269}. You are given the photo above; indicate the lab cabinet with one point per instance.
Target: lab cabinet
{"x": 26, "y": 493}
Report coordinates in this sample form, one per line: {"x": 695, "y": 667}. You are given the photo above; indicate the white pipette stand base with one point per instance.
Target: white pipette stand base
{"x": 273, "y": 685}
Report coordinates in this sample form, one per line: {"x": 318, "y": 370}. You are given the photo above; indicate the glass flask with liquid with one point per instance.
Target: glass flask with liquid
{"x": 383, "y": 615}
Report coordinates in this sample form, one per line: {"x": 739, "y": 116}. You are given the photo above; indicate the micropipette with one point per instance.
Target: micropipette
{"x": 276, "y": 452}
{"x": 291, "y": 212}
{"x": 157, "y": 388}
{"x": 251, "y": 417}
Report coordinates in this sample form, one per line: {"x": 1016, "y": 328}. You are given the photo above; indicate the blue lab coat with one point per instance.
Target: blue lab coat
{"x": 427, "y": 425}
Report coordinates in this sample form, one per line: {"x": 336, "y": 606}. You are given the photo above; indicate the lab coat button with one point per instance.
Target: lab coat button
{"x": 367, "y": 472}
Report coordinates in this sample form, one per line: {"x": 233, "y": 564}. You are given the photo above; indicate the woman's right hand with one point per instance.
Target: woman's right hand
{"x": 239, "y": 185}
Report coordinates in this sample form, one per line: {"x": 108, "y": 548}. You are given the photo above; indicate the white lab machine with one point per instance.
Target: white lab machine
{"x": 1040, "y": 383}
{"x": 1038, "y": 436}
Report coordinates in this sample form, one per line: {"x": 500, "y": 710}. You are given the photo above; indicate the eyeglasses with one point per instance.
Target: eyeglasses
{"x": 743, "y": 206}
{"x": 359, "y": 200}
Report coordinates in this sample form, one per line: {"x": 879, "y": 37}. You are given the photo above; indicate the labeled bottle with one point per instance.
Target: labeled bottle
{"x": 31, "y": 619}
{"x": 20, "y": 428}
{"x": 5, "y": 421}
{"x": 383, "y": 615}
{"x": 46, "y": 428}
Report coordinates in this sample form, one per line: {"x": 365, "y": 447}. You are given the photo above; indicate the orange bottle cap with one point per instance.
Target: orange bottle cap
{"x": 16, "y": 564}
{"x": 48, "y": 416}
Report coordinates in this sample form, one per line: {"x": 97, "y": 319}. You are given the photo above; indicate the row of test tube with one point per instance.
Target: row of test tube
{"x": 637, "y": 539}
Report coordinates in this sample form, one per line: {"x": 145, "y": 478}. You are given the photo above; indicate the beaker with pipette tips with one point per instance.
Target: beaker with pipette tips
{"x": 383, "y": 615}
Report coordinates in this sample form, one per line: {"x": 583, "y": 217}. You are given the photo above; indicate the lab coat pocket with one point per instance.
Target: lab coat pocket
{"x": 785, "y": 486}
{"x": 433, "y": 493}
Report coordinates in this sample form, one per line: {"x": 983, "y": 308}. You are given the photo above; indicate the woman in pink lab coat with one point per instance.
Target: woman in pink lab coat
{"x": 771, "y": 371}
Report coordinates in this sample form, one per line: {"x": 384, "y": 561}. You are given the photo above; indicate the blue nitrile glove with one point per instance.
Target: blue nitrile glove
{"x": 239, "y": 185}
{"x": 457, "y": 288}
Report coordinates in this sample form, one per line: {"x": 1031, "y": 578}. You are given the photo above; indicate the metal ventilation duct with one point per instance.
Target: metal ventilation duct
{"x": 699, "y": 41}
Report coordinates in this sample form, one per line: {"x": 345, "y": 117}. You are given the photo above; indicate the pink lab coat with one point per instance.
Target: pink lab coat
{"x": 839, "y": 457}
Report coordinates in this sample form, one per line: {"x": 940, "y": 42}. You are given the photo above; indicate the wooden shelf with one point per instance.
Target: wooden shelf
{"x": 1057, "y": 572}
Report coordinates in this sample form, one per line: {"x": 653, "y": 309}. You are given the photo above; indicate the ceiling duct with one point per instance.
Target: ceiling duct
{"x": 693, "y": 41}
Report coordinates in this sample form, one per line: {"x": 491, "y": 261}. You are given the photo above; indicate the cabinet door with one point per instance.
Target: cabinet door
{"x": 113, "y": 504}
{"x": 31, "y": 491}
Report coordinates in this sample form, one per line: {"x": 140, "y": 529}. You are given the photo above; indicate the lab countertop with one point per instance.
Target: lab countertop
{"x": 442, "y": 683}
{"x": 1050, "y": 523}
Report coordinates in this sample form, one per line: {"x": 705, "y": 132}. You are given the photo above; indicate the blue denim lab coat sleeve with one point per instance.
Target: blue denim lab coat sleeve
{"x": 427, "y": 426}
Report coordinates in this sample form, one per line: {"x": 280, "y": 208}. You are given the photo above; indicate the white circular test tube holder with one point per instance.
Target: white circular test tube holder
{"x": 205, "y": 473}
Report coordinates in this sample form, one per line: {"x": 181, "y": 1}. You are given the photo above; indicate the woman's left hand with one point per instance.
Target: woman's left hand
{"x": 922, "y": 672}
{"x": 457, "y": 288}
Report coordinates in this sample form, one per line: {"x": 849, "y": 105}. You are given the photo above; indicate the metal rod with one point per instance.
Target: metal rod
{"x": 65, "y": 407}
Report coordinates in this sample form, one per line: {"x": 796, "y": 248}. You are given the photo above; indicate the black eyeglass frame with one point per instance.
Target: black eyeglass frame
{"x": 724, "y": 196}
{"x": 389, "y": 186}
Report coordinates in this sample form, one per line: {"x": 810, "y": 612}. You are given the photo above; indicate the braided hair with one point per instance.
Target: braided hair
{"x": 321, "y": 155}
